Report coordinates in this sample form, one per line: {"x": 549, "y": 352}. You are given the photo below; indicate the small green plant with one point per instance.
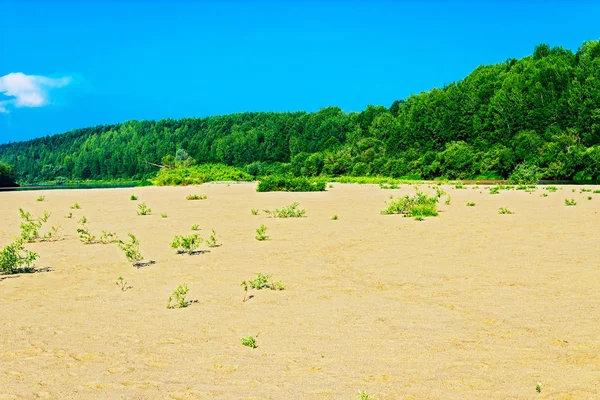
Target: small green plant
{"x": 75, "y": 206}
{"x": 15, "y": 259}
{"x": 551, "y": 188}
{"x": 469, "y": 204}
{"x": 570, "y": 202}
{"x": 261, "y": 233}
{"x": 108, "y": 237}
{"x": 589, "y": 197}
{"x": 254, "y": 211}
{"x": 335, "y": 217}
{"x": 186, "y": 244}
{"x": 163, "y": 215}
{"x": 460, "y": 185}
{"x": 178, "y": 298}
{"x": 133, "y": 197}
{"x": 504, "y": 210}
{"x": 262, "y": 282}
{"x": 132, "y": 250}
{"x": 84, "y": 233}
{"x": 419, "y": 218}
{"x": 330, "y": 186}
{"x": 384, "y": 185}
{"x": 365, "y": 396}
{"x": 53, "y": 234}
{"x": 143, "y": 209}
{"x": 69, "y": 216}
{"x": 41, "y": 198}
{"x": 291, "y": 211}
{"x": 544, "y": 195}
{"x": 196, "y": 197}
{"x": 249, "y": 341}
{"x": 583, "y": 190}
{"x": 538, "y": 387}
{"x": 30, "y": 227}
{"x": 448, "y": 200}
{"x": 596, "y": 191}
{"x": 212, "y": 239}
{"x": 494, "y": 190}
{"x": 573, "y": 190}
{"x": 122, "y": 284}
{"x": 195, "y": 227}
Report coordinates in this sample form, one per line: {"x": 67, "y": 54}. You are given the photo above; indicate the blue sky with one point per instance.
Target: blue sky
{"x": 71, "y": 64}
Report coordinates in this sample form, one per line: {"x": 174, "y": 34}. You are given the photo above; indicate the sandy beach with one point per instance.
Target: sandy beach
{"x": 468, "y": 305}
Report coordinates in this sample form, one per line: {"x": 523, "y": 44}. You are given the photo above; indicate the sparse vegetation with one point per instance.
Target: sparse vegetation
{"x": 335, "y": 217}
{"x": 84, "y": 233}
{"x": 196, "y": 197}
{"x": 254, "y": 211}
{"x": 132, "y": 250}
{"x": 365, "y": 396}
{"x": 504, "y": 210}
{"x": 179, "y": 297}
{"x": 470, "y": 204}
{"x": 163, "y": 215}
{"x": 69, "y": 215}
{"x": 275, "y": 183}
{"x": 195, "y": 227}
{"x": 122, "y": 284}
{"x": 15, "y": 259}
{"x": 212, "y": 239}
{"x": 186, "y": 244}
{"x": 385, "y": 185}
{"x": 570, "y": 202}
{"x": 494, "y": 190}
{"x": 108, "y": 237}
{"x": 291, "y": 211}
{"x": 262, "y": 282}
{"x": 551, "y": 188}
{"x": 143, "y": 209}
{"x": 261, "y": 233}
{"x": 30, "y": 226}
{"x": 249, "y": 341}
{"x": 133, "y": 197}
{"x": 75, "y": 206}
{"x": 538, "y": 387}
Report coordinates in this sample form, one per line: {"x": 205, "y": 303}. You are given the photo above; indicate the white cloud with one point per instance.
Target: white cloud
{"x": 27, "y": 90}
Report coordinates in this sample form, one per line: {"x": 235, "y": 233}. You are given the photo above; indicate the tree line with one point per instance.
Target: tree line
{"x": 542, "y": 111}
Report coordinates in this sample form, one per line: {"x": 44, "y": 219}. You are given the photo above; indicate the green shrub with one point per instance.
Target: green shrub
{"x": 290, "y": 184}
{"x": 69, "y": 216}
{"x": 75, "y": 206}
{"x": 84, "y": 233}
{"x": 570, "y": 202}
{"x": 365, "y": 396}
{"x": 186, "y": 244}
{"x": 15, "y": 259}
{"x": 133, "y": 197}
{"x": 196, "y": 197}
{"x": 544, "y": 195}
{"x": 589, "y": 197}
{"x": 132, "y": 250}
{"x": 385, "y": 185}
{"x": 198, "y": 174}
{"x": 254, "y": 211}
{"x": 30, "y": 227}
{"x": 291, "y": 211}
{"x": 538, "y": 387}
{"x": 504, "y": 210}
{"x": 41, "y": 198}
{"x": 164, "y": 215}
{"x": 143, "y": 209}
{"x": 195, "y": 227}
{"x": 179, "y": 297}
{"x": 212, "y": 239}
{"x": 551, "y": 188}
{"x": 525, "y": 173}
{"x": 249, "y": 341}
{"x": 469, "y": 204}
{"x": 262, "y": 282}
{"x": 122, "y": 284}
{"x": 335, "y": 217}
{"x": 261, "y": 233}
{"x": 108, "y": 237}
{"x": 596, "y": 191}
{"x": 494, "y": 190}
{"x": 421, "y": 204}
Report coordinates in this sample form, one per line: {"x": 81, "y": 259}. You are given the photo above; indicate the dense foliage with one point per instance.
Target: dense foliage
{"x": 277, "y": 183}
{"x": 541, "y": 111}
{"x": 6, "y": 175}
{"x": 198, "y": 174}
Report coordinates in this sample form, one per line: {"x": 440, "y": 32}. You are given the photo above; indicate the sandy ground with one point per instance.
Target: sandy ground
{"x": 468, "y": 305}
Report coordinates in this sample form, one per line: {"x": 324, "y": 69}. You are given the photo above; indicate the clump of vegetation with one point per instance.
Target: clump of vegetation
{"x": 41, "y": 198}
{"x": 254, "y": 211}
{"x": 596, "y": 191}
{"x": 261, "y": 233}
{"x": 365, "y": 396}
{"x": 143, "y": 209}
{"x": 589, "y": 197}
{"x": 504, "y": 210}
{"x": 538, "y": 387}
{"x": 525, "y": 174}
{"x": 212, "y": 239}
{"x": 53, "y": 233}
{"x": 108, "y": 237}
{"x": 186, "y": 244}
{"x": 470, "y": 204}
{"x": 30, "y": 226}
{"x": 584, "y": 190}
{"x": 291, "y": 211}
{"x": 249, "y": 341}
{"x": 448, "y": 200}
{"x": 419, "y": 205}
{"x": 164, "y": 215}
{"x": 335, "y": 217}
{"x": 69, "y": 216}
{"x": 15, "y": 259}
{"x": 494, "y": 190}
{"x": 84, "y": 233}
{"x": 544, "y": 195}
{"x": 132, "y": 250}
{"x": 570, "y": 202}
{"x": 133, "y": 197}
{"x": 75, "y": 206}
{"x": 122, "y": 284}
{"x": 179, "y": 297}
{"x": 385, "y": 185}
{"x": 199, "y": 174}
{"x": 551, "y": 188}
{"x": 259, "y": 283}
{"x": 196, "y": 197}
{"x": 195, "y": 227}
{"x": 275, "y": 183}
{"x": 459, "y": 185}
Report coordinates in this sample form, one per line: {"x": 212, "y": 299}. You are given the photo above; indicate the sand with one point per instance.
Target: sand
{"x": 468, "y": 305}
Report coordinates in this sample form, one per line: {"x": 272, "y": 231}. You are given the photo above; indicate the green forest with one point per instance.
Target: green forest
{"x": 540, "y": 113}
